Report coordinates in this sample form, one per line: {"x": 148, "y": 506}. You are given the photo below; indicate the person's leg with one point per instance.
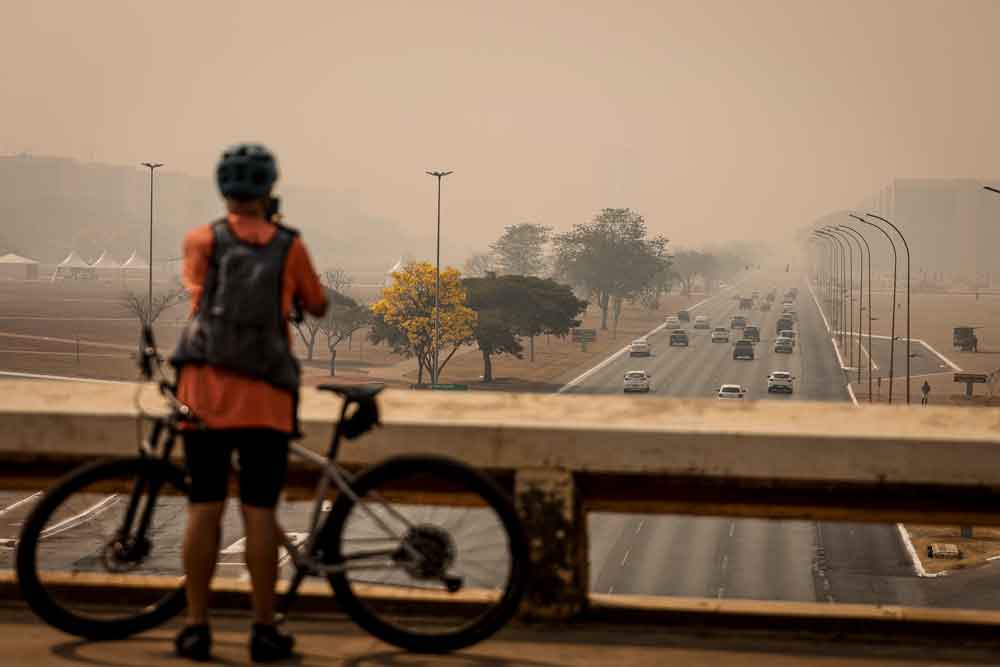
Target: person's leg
{"x": 201, "y": 548}
{"x": 263, "y": 461}
{"x": 207, "y": 457}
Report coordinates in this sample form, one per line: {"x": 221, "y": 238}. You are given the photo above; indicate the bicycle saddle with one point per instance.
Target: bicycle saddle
{"x": 366, "y": 417}
{"x": 353, "y": 392}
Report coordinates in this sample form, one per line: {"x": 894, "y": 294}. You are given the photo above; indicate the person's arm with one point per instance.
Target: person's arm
{"x": 309, "y": 292}
{"x": 197, "y": 255}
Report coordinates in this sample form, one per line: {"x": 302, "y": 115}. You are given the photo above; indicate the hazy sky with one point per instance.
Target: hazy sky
{"x": 714, "y": 118}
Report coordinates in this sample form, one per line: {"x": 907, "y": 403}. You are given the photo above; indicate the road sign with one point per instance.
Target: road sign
{"x": 970, "y": 379}
{"x": 583, "y": 335}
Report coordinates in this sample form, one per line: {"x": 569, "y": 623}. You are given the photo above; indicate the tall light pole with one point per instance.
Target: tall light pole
{"x": 991, "y": 189}
{"x": 868, "y": 248}
{"x": 149, "y": 293}
{"x": 831, "y": 276}
{"x": 850, "y": 289}
{"x": 907, "y": 247}
{"x": 841, "y": 288}
{"x": 892, "y": 330}
{"x": 437, "y": 290}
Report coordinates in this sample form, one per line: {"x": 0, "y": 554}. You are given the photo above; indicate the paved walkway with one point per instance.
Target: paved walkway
{"x": 335, "y": 643}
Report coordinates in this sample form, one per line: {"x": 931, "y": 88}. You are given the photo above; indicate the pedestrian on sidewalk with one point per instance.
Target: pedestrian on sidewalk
{"x": 925, "y": 392}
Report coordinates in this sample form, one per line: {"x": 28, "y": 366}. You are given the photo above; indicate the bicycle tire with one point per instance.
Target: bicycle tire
{"x": 48, "y": 606}
{"x": 494, "y": 498}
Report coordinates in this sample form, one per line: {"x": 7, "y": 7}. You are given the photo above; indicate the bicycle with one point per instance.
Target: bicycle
{"x": 103, "y": 519}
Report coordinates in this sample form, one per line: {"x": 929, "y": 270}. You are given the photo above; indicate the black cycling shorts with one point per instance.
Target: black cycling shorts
{"x": 263, "y": 462}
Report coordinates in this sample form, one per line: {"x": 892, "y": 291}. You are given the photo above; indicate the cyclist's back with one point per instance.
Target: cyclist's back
{"x": 237, "y": 372}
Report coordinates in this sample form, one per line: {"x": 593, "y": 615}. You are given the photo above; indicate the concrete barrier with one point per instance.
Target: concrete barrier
{"x": 566, "y": 455}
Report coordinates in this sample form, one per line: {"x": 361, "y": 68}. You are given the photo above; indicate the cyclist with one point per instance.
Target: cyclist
{"x": 237, "y": 372}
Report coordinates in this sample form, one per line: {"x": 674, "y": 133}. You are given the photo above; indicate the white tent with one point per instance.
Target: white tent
{"x": 398, "y": 266}
{"x": 107, "y": 267}
{"x": 73, "y": 267}
{"x": 135, "y": 267}
{"x": 15, "y": 267}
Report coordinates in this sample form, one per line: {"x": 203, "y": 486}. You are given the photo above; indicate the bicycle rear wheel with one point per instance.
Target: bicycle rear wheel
{"x": 82, "y": 564}
{"x": 441, "y": 571}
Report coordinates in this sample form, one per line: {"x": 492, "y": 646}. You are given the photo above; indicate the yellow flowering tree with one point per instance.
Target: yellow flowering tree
{"x": 404, "y": 316}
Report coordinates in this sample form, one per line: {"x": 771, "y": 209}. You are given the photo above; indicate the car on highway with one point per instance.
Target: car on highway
{"x": 784, "y": 345}
{"x": 636, "y": 381}
{"x": 765, "y": 306}
{"x": 738, "y": 322}
{"x": 787, "y": 306}
{"x": 701, "y": 322}
{"x": 720, "y": 335}
{"x": 780, "y": 382}
{"x": 784, "y": 324}
{"x": 755, "y": 294}
{"x": 743, "y": 349}
{"x": 679, "y": 337}
{"x": 673, "y": 322}
{"x": 683, "y": 316}
{"x": 787, "y": 333}
{"x": 639, "y": 348}
{"x": 732, "y": 391}
{"x": 751, "y": 332}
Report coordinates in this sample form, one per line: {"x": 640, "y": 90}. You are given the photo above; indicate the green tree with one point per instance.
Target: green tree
{"x": 612, "y": 257}
{"x": 343, "y": 317}
{"x": 521, "y": 249}
{"x": 512, "y": 306}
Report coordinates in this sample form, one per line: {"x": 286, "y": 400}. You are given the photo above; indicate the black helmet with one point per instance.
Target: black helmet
{"x": 246, "y": 172}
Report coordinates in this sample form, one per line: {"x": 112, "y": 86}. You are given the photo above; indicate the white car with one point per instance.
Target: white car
{"x": 673, "y": 322}
{"x": 720, "y": 335}
{"x": 780, "y": 381}
{"x": 728, "y": 391}
{"x": 636, "y": 381}
{"x": 787, "y": 307}
{"x": 639, "y": 348}
{"x": 787, "y": 334}
{"x": 701, "y": 322}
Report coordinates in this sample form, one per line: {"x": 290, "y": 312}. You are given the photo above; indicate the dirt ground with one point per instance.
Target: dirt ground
{"x": 932, "y": 320}
{"x": 983, "y": 546}
{"x": 83, "y": 330}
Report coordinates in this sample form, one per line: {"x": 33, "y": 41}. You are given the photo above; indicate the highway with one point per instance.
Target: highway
{"x": 758, "y": 559}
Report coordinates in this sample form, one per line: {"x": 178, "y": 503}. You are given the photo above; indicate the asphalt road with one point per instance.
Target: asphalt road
{"x": 759, "y": 559}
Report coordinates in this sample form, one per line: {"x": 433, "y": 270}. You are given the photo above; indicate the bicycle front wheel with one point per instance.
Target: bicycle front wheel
{"x": 86, "y": 562}
{"x": 433, "y": 554}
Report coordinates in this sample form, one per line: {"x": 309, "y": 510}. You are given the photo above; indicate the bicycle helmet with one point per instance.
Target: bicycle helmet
{"x": 246, "y": 172}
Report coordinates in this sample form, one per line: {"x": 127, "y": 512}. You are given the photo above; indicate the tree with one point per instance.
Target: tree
{"x": 611, "y": 257}
{"x": 407, "y": 306}
{"x": 343, "y": 317}
{"x": 688, "y": 265}
{"x": 479, "y": 265}
{"x": 511, "y": 306}
{"x": 147, "y": 312}
{"x": 521, "y": 249}
{"x": 338, "y": 280}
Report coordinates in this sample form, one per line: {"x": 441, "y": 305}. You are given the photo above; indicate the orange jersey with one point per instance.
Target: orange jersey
{"x": 222, "y": 398}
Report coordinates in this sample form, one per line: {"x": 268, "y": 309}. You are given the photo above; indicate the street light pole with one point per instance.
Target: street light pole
{"x": 437, "y": 290}
{"x": 149, "y": 292}
{"x": 892, "y": 330}
{"x": 841, "y": 289}
{"x": 906, "y": 246}
{"x": 850, "y": 290}
{"x": 869, "y": 250}
{"x": 832, "y": 282}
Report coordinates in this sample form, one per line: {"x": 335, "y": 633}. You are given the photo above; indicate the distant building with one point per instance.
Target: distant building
{"x": 951, "y": 225}
{"x": 15, "y": 267}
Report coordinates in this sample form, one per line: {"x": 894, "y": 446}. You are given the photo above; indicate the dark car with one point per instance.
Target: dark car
{"x": 751, "y": 332}
{"x": 738, "y": 322}
{"x": 683, "y": 316}
{"x": 678, "y": 337}
{"x": 743, "y": 350}
{"x": 784, "y": 324}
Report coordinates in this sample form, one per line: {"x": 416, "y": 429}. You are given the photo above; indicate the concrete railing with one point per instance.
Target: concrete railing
{"x": 562, "y": 456}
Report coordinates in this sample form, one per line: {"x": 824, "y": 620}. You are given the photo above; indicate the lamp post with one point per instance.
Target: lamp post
{"x": 437, "y": 290}
{"x": 840, "y": 289}
{"x": 906, "y": 246}
{"x": 991, "y": 189}
{"x": 149, "y": 292}
{"x": 844, "y": 229}
{"x": 850, "y": 290}
{"x": 892, "y": 330}
{"x": 832, "y": 277}
{"x": 868, "y": 248}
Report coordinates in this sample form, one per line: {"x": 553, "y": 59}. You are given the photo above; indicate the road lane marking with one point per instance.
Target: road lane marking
{"x": 36, "y": 376}
{"x": 611, "y": 589}
{"x": 720, "y": 592}
{"x": 725, "y": 562}
{"x": 20, "y": 502}
{"x": 732, "y": 528}
{"x": 867, "y": 354}
{"x": 850, "y": 391}
{"x": 625, "y": 559}
{"x": 818, "y": 307}
{"x": 918, "y": 566}
{"x": 82, "y": 517}
{"x": 590, "y": 371}
{"x": 639, "y": 527}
